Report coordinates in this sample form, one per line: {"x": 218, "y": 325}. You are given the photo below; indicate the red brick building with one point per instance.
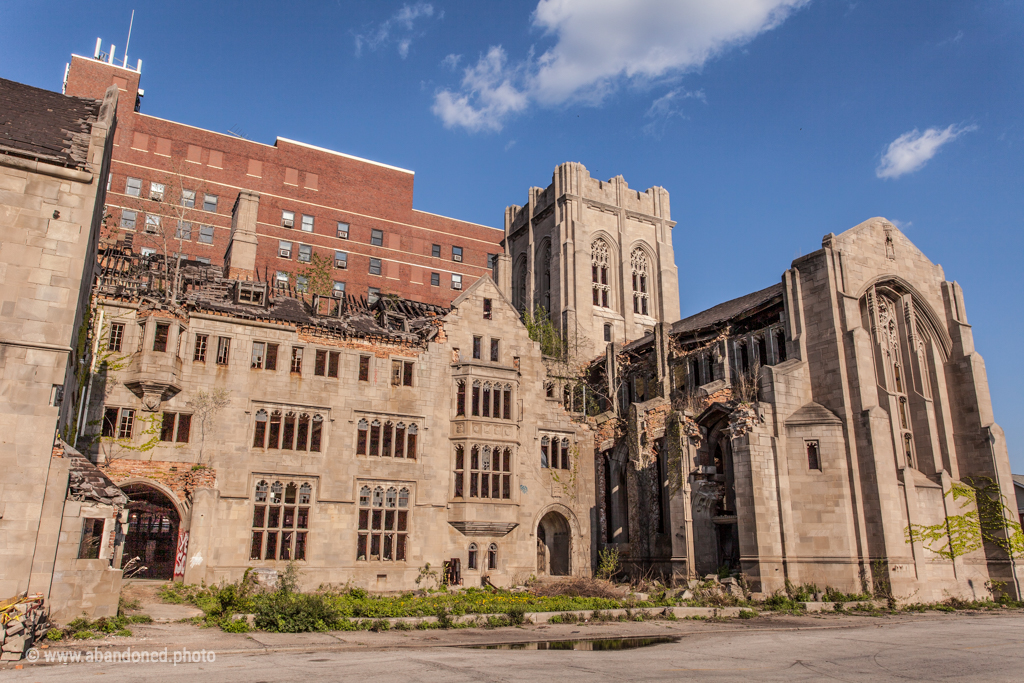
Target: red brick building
{"x": 354, "y": 212}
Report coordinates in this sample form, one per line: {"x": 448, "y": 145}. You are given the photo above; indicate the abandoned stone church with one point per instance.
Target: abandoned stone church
{"x": 792, "y": 434}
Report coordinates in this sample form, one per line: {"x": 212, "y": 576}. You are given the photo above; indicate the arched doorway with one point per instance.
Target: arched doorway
{"x": 553, "y": 545}
{"x": 152, "y": 531}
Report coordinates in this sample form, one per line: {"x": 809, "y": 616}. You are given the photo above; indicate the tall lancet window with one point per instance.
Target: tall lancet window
{"x": 545, "y": 276}
{"x": 641, "y": 283}
{"x": 898, "y": 379}
{"x": 599, "y": 273}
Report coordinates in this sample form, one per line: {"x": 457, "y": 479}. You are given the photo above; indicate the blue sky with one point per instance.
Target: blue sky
{"x": 771, "y": 122}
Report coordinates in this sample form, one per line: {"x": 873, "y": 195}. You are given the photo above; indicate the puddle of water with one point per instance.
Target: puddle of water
{"x": 595, "y": 644}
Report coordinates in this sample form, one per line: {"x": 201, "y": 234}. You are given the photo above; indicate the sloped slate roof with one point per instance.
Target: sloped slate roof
{"x": 728, "y": 311}
{"x": 44, "y": 125}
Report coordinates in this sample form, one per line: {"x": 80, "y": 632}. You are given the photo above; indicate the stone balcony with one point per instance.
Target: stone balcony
{"x": 153, "y": 376}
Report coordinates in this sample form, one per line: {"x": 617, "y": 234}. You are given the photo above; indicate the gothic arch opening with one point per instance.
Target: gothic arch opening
{"x": 153, "y": 523}
{"x": 554, "y": 545}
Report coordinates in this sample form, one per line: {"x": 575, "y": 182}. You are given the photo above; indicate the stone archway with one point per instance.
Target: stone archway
{"x": 153, "y": 522}
{"x": 554, "y": 545}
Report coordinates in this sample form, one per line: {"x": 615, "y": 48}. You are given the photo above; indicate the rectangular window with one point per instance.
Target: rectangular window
{"x": 116, "y": 337}
{"x": 223, "y": 350}
{"x": 489, "y": 472}
{"x": 206, "y": 234}
{"x": 92, "y": 538}
{"x": 152, "y": 223}
{"x": 456, "y": 281}
{"x": 435, "y": 279}
{"x": 305, "y": 253}
{"x": 210, "y": 203}
{"x": 109, "y": 427}
{"x": 372, "y": 294}
{"x": 128, "y": 219}
{"x": 281, "y": 279}
{"x": 284, "y": 249}
{"x": 156, "y": 192}
{"x": 288, "y": 219}
{"x": 813, "y": 455}
{"x": 205, "y": 260}
{"x": 301, "y": 283}
{"x": 457, "y": 254}
{"x": 184, "y": 231}
{"x": 188, "y": 199}
{"x": 297, "y": 360}
{"x": 490, "y": 260}
{"x": 259, "y": 350}
{"x": 133, "y": 187}
{"x": 401, "y": 373}
{"x": 341, "y": 259}
{"x": 343, "y": 230}
{"x": 339, "y": 289}
{"x": 607, "y": 332}
{"x": 435, "y": 250}
{"x": 126, "y": 423}
{"x": 477, "y": 347}
{"x": 199, "y": 354}
{"x": 377, "y": 238}
{"x": 364, "y": 368}
{"x": 280, "y": 519}
{"x": 487, "y": 309}
{"x": 375, "y": 266}
{"x": 495, "y": 355}
{"x": 160, "y": 338}
{"x": 176, "y": 428}
{"x": 326, "y": 363}
{"x": 307, "y": 223}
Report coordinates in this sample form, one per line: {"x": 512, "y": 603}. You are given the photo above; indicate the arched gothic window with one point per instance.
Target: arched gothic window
{"x": 471, "y": 563}
{"x": 261, "y": 491}
{"x": 641, "y": 283}
{"x": 492, "y": 556}
{"x": 519, "y": 285}
{"x": 599, "y": 273}
{"x": 545, "y": 276}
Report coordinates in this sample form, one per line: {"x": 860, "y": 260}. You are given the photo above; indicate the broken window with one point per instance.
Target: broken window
{"x": 92, "y": 538}
{"x": 264, "y": 356}
{"x": 199, "y": 354}
{"x": 780, "y": 345}
{"x": 549, "y": 389}
{"x": 288, "y": 430}
{"x": 116, "y": 337}
{"x": 383, "y": 523}
{"x": 485, "y": 400}
{"x": 495, "y": 355}
{"x": 641, "y": 284}
{"x": 507, "y": 402}
{"x": 487, "y": 309}
{"x": 133, "y": 187}
{"x": 372, "y": 294}
{"x": 223, "y": 350}
{"x": 280, "y": 526}
{"x": 109, "y": 427}
{"x": 126, "y": 423}
{"x": 128, "y": 219}
{"x": 152, "y": 223}
{"x": 489, "y": 472}
{"x": 607, "y": 332}
{"x": 156, "y": 191}
{"x": 160, "y": 337}
{"x": 475, "y": 398}
{"x": 477, "y": 347}
{"x": 377, "y": 238}
{"x": 762, "y": 350}
{"x": 599, "y": 273}
{"x": 813, "y": 456}
{"x": 364, "y": 368}
{"x": 401, "y": 373}
{"x": 297, "y": 360}
{"x": 176, "y": 427}
{"x": 326, "y": 363}
{"x": 460, "y": 398}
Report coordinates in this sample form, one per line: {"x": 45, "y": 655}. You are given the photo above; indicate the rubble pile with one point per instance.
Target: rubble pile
{"x": 23, "y": 620}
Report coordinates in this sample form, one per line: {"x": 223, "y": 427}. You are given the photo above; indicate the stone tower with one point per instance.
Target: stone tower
{"x": 594, "y": 254}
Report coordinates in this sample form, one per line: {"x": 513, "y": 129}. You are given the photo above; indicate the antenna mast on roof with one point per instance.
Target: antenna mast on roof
{"x": 125, "y": 62}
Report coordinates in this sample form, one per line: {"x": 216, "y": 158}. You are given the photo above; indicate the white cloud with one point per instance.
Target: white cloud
{"x": 383, "y": 34}
{"x": 601, "y": 44}
{"x": 911, "y": 151}
{"x": 509, "y": 145}
{"x": 667, "y": 106}
{"x": 488, "y": 95}
{"x": 451, "y": 61}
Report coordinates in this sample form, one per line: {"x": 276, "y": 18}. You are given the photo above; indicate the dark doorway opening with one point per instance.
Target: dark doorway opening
{"x": 152, "y": 531}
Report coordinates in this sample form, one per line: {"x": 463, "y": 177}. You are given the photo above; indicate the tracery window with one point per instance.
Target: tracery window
{"x": 386, "y": 438}
{"x": 486, "y": 399}
{"x": 383, "y": 522}
{"x": 545, "y": 276}
{"x": 290, "y": 430}
{"x": 280, "y": 520}
{"x": 554, "y": 452}
{"x": 492, "y": 556}
{"x": 891, "y": 346}
{"x": 641, "y": 283}
{"x": 488, "y": 471}
{"x": 599, "y": 273}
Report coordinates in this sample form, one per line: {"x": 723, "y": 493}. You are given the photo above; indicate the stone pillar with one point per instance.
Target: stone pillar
{"x": 503, "y": 275}
{"x": 240, "y": 257}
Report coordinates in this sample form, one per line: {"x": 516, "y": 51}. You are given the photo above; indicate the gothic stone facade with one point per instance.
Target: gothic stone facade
{"x": 796, "y": 433}
{"x": 363, "y": 444}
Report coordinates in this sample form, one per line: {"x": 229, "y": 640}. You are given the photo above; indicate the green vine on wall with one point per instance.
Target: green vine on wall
{"x": 984, "y": 516}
